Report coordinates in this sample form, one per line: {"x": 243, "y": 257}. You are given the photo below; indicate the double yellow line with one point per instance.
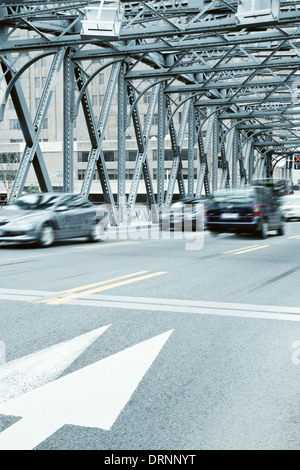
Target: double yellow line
{"x": 246, "y": 249}
{"x": 296, "y": 237}
{"x": 83, "y": 291}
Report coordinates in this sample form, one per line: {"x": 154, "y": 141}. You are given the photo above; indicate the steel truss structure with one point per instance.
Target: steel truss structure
{"x": 235, "y": 81}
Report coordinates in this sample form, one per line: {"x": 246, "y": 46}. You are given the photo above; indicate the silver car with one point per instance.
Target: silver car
{"x": 44, "y": 218}
{"x": 291, "y": 207}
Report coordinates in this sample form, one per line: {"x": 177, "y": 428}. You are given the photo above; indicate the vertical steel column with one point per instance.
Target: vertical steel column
{"x": 262, "y": 168}
{"x": 226, "y": 159}
{"x": 203, "y": 177}
{"x": 191, "y": 153}
{"x": 161, "y": 146}
{"x": 235, "y": 156}
{"x": 122, "y": 115}
{"x": 251, "y": 162}
{"x": 176, "y": 171}
{"x": 215, "y": 153}
{"x": 269, "y": 170}
{"x": 68, "y": 123}
{"x": 245, "y": 163}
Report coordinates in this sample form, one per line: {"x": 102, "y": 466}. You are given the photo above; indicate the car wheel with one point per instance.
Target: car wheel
{"x": 97, "y": 233}
{"x": 46, "y": 236}
{"x": 281, "y": 229}
{"x": 263, "y": 232}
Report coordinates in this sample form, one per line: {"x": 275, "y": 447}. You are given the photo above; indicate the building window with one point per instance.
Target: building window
{"x": 169, "y": 154}
{"x": 101, "y": 79}
{"x": 185, "y": 154}
{"x": 9, "y": 157}
{"x": 83, "y": 157}
{"x": 15, "y": 124}
{"x": 112, "y": 174}
{"x": 131, "y": 155}
{"x": 186, "y": 174}
{"x": 130, "y": 173}
{"x": 37, "y": 82}
{"x": 109, "y": 155}
{"x": 155, "y": 119}
{"x": 95, "y": 100}
{"x": 146, "y": 97}
{"x": 80, "y": 174}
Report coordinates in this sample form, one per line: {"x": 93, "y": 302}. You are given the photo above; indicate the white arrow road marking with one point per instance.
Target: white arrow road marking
{"x": 93, "y": 396}
{"x": 37, "y": 369}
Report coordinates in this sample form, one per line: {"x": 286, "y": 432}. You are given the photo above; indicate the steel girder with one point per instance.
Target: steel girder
{"x": 236, "y": 87}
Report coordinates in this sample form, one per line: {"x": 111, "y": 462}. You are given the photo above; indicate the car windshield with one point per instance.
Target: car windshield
{"x": 33, "y": 202}
{"x": 243, "y": 196}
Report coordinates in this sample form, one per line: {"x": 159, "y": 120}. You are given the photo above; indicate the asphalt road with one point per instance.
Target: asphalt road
{"x": 144, "y": 343}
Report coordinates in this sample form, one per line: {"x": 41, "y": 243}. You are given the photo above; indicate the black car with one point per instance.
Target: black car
{"x": 249, "y": 209}
{"x": 44, "y": 218}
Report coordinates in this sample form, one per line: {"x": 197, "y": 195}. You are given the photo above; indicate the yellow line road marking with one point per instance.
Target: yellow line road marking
{"x": 88, "y": 286}
{"x": 100, "y": 289}
{"x": 296, "y": 236}
{"x": 252, "y": 249}
{"x": 239, "y": 249}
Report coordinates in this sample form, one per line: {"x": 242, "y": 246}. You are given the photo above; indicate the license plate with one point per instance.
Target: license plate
{"x": 227, "y": 216}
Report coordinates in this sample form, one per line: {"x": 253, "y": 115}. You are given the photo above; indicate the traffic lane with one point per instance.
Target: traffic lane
{"x": 229, "y": 268}
{"x": 218, "y": 382}
{"x": 255, "y": 275}
{"x": 216, "y": 272}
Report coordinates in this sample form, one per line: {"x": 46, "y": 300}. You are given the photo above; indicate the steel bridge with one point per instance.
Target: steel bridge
{"x": 231, "y": 68}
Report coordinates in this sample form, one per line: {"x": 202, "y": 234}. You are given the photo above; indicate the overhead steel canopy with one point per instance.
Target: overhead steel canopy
{"x": 230, "y": 68}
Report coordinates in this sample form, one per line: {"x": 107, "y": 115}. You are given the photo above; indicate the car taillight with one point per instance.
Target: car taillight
{"x": 256, "y": 210}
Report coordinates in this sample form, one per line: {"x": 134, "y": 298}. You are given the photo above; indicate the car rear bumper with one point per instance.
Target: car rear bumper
{"x": 233, "y": 226}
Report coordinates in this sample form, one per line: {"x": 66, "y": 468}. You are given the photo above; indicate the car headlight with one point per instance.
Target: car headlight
{"x": 22, "y": 225}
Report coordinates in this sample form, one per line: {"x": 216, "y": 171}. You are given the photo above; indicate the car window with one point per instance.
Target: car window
{"x": 83, "y": 202}
{"x": 74, "y": 202}
{"x": 34, "y": 202}
{"x": 243, "y": 196}
{"x": 65, "y": 201}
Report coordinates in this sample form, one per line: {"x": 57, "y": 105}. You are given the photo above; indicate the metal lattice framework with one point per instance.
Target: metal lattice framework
{"x": 234, "y": 80}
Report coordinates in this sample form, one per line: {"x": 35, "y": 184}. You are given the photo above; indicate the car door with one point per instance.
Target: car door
{"x": 67, "y": 217}
{"x": 85, "y": 216}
